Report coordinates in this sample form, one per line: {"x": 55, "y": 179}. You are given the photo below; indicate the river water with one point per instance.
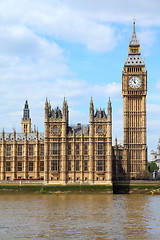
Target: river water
{"x": 79, "y": 216}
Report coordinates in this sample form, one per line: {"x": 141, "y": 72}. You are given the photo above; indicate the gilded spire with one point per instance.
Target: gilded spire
{"x": 134, "y": 40}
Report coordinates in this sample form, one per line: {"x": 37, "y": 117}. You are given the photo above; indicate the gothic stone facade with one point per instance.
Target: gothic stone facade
{"x": 63, "y": 154}
{"x": 83, "y": 154}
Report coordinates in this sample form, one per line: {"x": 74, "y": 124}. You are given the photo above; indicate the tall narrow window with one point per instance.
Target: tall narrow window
{"x": 77, "y": 149}
{"x": 42, "y": 150}
{"x": 41, "y": 166}
{"x": 55, "y": 130}
{"x": 31, "y": 150}
{"x": 69, "y": 165}
{"x": 77, "y": 165}
{"x": 69, "y": 149}
{"x": 85, "y": 165}
{"x": 8, "y": 166}
{"x": 100, "y": 130}
{"x": 25, "y": 128}
{"x": 85, "y": 149}
{"x": 8, "y": 150}
{"x": 19, "y": 166}
{"x": 100, "y": 165}
{"x": 30, "y": 166}
{"x": 100, "y": 149}
{"x": 54, "y": 149}
{"x": 54, "y": 165}
{"x": 19, "y": 150}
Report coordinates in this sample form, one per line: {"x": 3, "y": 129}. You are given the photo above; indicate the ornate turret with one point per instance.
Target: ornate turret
{"x": 26, "y": 111}
{"x": 26, "y": 120}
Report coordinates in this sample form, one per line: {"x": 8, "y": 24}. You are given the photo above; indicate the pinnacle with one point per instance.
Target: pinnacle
{"x": 134, "y": 40}
{"x": 91, "y": 102}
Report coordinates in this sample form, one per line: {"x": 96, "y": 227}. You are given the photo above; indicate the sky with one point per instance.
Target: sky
{"x": 75, "y": 49}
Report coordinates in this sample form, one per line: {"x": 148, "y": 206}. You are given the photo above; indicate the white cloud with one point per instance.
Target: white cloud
{"x": 23, "y": 42}
{"x": 86, "y": 22}
{"x": 147, "y": 38}
{"x": 147, "y": 12}
{"x": 54, "y": 18}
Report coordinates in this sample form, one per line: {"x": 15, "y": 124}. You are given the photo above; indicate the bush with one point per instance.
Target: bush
{"x": 143, "y": 175}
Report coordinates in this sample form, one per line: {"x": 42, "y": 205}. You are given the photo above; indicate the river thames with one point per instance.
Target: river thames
{"x": 79, "y": 216}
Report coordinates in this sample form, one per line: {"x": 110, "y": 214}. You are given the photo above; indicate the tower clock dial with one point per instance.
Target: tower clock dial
{"x": 134, "y": 82}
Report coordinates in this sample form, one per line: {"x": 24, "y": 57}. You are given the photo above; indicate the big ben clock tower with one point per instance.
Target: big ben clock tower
{"x": 134, "y": 90}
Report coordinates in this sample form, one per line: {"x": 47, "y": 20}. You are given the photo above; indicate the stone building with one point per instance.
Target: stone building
{"x": 155, "y": 155}
{"x": 83, "y": 154}
{"x": 63, "y": 153}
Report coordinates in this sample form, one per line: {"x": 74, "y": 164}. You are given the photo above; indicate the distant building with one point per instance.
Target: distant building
{"x": 155, "y": 155}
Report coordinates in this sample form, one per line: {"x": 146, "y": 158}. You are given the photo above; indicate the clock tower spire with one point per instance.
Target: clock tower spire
{"x": 134, "y": 90}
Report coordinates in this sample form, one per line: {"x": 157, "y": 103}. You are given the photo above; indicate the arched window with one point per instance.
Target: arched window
{"x": 100, "y": 130}
{"x": 55, "y": 130}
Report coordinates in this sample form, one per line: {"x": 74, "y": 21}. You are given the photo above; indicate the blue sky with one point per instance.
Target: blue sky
{"x": 75, "y": 49}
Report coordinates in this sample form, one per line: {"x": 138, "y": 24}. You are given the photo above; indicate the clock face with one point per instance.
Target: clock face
{"x": 134, "y": 82}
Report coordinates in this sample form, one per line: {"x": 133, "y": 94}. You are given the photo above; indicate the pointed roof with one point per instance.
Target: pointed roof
{"x": 26, "y": 111}
{"x": 26, "y": 105}
{"x": 134, "y": 58}
{"x": 134, "y": 41}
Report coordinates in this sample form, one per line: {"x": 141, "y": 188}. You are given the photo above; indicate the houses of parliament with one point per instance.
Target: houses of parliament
{"x": 83, "y": 154}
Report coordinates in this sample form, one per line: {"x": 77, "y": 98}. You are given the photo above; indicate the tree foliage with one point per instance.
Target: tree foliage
{"x": 152, "y": 166}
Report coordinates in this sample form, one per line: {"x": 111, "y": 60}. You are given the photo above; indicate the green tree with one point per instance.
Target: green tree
{"x": 152, "y": 166}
